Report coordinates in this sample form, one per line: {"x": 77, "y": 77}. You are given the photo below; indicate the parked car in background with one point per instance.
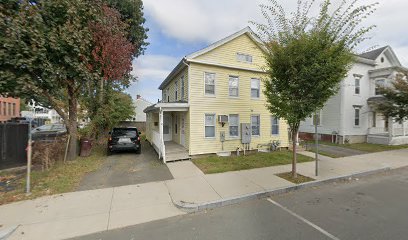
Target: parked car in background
{"x": 124, "y": 139}
{"x": 48, "y": 132}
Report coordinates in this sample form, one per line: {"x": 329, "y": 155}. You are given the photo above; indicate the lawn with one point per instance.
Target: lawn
{"x": 215, "y": 164}
{"x": 60, "y": 178}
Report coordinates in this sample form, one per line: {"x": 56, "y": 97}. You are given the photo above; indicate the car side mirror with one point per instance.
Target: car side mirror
{"x": 110, "y": 133}
{"x": 140, "y": 133}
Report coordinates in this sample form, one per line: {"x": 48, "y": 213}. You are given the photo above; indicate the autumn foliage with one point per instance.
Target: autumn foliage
{"x": 112, "y": 51}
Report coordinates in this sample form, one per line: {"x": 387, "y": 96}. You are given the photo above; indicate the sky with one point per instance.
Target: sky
{"x": 180, "y": 27}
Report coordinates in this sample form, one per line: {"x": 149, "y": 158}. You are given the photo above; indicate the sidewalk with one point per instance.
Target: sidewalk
{"x": 80, "y": 213}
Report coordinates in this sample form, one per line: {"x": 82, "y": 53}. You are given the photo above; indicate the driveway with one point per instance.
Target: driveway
{"x": 126, "y": 169}
{"x": 336, "y": 150}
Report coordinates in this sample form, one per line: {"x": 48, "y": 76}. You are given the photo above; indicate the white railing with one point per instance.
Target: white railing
{"x": 400, "y": 132}
{"x": 159, "y": 144}
{"x": 377, "y": 130}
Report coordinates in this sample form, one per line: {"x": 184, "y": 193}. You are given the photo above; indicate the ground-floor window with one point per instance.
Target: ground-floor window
{"x": 233, "y": 125}
{"x": 275, "y": 125}
{"x": 255, "y": 125}
{"x": 356, "y": 116}
{"x": 209, "y": 125}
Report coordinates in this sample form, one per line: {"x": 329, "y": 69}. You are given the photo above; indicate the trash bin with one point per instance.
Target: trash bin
{"x": 86, "y": 147}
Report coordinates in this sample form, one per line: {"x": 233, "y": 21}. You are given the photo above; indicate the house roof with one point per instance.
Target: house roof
{"x": 374, "y": 54}
{"x": 183, "y": 63}
{"x": 388, "y": 52}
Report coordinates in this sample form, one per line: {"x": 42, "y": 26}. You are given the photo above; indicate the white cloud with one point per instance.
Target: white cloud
{"x": 150, "y": 71}
{"x": 211, "y": 20}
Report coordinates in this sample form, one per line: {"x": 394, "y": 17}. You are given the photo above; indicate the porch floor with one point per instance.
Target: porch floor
{"x": 175, "y": 151}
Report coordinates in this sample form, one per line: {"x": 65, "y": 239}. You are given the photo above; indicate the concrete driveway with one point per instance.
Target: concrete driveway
{"x": 127, "y": 168}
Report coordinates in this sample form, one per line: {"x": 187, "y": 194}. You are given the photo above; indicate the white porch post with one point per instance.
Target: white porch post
{"x": 162, "y": 148}
{"x": 403, "y": 129}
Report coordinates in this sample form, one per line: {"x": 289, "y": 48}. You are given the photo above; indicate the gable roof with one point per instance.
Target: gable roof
{"x": 183, "y": 63}
{"x": 247, "y": 30}
{"x": 387, "y": 50}
{"x": 374, "y": 54}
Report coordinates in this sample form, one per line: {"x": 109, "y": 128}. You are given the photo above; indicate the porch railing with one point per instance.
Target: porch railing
{"x": 400, "y": 132}
{"x": 377, "y": 130}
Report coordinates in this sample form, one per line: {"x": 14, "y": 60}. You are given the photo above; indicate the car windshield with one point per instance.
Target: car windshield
{"x": 44, "y": 128}
{"x": 124, "y": 132}
{"x": 58, "y": 127}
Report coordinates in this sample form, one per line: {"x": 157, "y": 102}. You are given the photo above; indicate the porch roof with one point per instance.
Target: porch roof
{"x": 168, "y": 107}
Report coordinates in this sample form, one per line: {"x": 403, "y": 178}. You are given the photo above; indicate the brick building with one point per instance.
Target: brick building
{"x": 9, "y": 108}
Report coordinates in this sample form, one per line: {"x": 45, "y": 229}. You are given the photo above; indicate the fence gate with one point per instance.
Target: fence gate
{"x": 13, "y": 144}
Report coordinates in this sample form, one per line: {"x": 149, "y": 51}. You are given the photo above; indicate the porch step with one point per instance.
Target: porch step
{"x": 177, "y": 155}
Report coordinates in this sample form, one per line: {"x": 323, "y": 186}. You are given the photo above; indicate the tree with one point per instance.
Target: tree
{"x": 394, "y": 102}
{"x": 45, "y": 53}
{"x": 306, "y": 58}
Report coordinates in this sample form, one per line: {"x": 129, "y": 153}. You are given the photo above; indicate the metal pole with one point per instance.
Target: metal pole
{"x": 28, "y": 188}
{"x": 317, "y": 146}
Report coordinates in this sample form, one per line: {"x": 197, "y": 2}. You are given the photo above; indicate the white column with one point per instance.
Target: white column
{"x": 390, "y": 128}
{"x": 161, "y": 132}
{"x": 403, "y": 129}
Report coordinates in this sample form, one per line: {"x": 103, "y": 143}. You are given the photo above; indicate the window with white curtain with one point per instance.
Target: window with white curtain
{"x": 233, "y": 86}
{"x": 233, "y": 125}
{"x": 255, "y": 125}
{"x": 209, "y": 81}
{"x": 275, "y": 125}
{"x": 255, "y": 88}
{"x": 210, "y": 125}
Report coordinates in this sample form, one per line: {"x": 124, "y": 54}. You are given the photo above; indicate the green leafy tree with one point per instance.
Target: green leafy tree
{"x": 45, "y": 53}
{"x": 308, "y": 57}
{"x": 394, "y": 102}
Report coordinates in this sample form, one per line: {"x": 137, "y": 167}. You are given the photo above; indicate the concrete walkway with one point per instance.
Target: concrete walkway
{"x": 80, "y": 213}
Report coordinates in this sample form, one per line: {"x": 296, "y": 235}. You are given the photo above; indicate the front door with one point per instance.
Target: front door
{"x": 167, "y": 134}
{"x": 182, "y": 130}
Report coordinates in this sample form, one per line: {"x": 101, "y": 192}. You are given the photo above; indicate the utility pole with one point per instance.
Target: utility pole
{"x": 316, "y": 145}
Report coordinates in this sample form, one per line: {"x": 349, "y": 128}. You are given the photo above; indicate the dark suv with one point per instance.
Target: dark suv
{"x": 124, "y": 139}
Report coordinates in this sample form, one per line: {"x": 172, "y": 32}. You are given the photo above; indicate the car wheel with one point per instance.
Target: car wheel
{"x": 139, "y": 151}
{"x": 108, "y": 152}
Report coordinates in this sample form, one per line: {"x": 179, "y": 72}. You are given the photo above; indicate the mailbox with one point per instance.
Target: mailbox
{"x": 222, "y": 136}
{"x": 246, "y": 133}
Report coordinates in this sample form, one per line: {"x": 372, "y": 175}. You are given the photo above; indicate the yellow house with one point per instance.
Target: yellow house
{"x": 212, "y": 102}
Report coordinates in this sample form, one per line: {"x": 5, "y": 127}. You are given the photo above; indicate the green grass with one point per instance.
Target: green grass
{"x": 299, "y": 179}
{"x": 60, "y": 178}
{"x": 215, "y": 164}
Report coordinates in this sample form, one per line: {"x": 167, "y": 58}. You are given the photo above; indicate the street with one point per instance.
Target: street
{"x": 371, "y": 208}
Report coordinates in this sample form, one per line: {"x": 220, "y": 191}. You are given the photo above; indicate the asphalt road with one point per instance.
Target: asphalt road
{"x": 372, "y": 208}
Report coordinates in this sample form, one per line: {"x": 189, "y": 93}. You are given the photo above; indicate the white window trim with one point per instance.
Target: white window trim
{"x": 259, "y": 115}
{"x": 273, "y": 134}
{"x": 244, "y": 54}
{"x": 215, "y": 126}
{"x": 233, "y": 76}
{"x": 182, "y": 89}
{"x": 359, "y": 117}
{"x": 229, "y": 132}
{"x": 215, "y": 84}
{"x": 259, "y": 89}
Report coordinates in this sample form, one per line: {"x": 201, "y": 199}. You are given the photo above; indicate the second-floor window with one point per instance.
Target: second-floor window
{"x": 357, "y": 86}
{"x": 233, "y": 122}
{"x": 209, "y": 83}
{"x": 233, "y": 86}
{"x": 255, "y": 88}
{"x": 176, "y": 90}
{"x": 378, "y": 85}
{"x": 182, "y": 88}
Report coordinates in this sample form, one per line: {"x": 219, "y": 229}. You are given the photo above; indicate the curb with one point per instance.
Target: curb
{"x": 5, "y": 233}
{"x": 191, "y": 207}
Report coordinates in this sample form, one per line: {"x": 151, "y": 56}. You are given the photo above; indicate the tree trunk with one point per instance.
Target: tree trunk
{"x": 294, "y": 146}
{"x": 72, "y": 123}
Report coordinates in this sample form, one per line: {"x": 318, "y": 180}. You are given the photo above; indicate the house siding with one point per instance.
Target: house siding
{"x": 222, "y": 104}
{"x": 171, "y": 87}
{"x": 227, "y": 54}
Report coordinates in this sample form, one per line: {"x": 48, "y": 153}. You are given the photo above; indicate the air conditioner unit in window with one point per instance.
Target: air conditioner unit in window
{"x": 222, "y": 118}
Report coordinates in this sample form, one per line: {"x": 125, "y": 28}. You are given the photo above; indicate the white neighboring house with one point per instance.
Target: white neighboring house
{"x": 140, "y": 105}
{"x": 39, "y": 112}
{"x": 349, "y": 116}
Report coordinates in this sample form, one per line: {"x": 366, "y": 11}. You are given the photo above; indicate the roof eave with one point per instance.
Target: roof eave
{"x": 179, "y": 67}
